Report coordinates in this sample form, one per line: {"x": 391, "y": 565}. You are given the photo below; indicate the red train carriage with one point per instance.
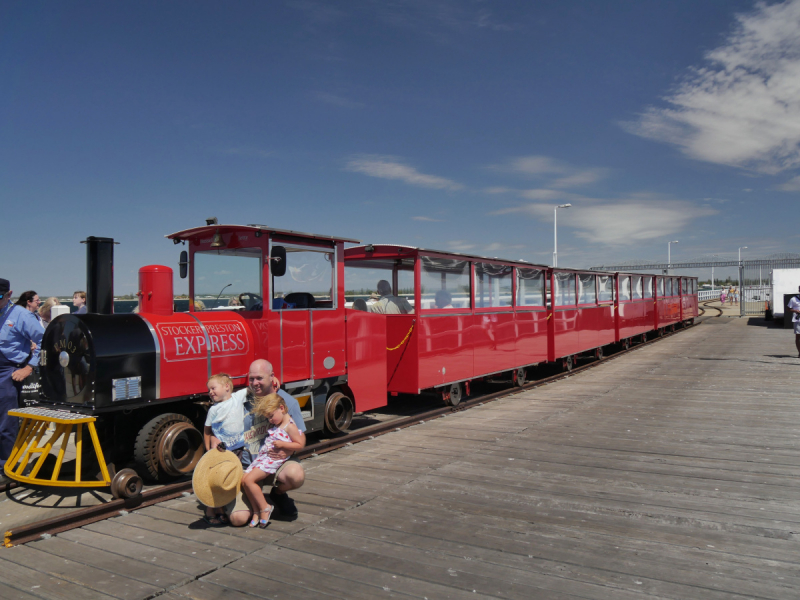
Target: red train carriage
{"x": 636, "y": 306}
{"x": 690, "y": 308}
{"x": 668, "y": 303}
{"x": 466, "y": 317}
{"x": 583, "y": 313}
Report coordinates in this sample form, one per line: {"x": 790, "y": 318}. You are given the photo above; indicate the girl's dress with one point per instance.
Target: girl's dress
{"x": 263, "y": 461}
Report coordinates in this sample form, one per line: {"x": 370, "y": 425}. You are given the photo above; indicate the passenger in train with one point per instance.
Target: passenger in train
{"x": 360, "y": 304}
{"x": 290, "y": 476}
{"x": 388, "y": 303}
{"x": 794, "y": 307}
{"x": 443, "y": 299}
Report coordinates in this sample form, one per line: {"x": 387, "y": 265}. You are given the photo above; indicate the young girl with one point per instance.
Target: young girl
{"x": 283, "y": 434}
{"x": 224, "y": 429}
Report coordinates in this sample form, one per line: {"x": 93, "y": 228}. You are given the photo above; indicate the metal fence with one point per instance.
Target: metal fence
{"x": 703, "y": 295}
{"x": 754, "y": 282}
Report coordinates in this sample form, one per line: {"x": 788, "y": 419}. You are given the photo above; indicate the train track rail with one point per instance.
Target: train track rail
{"x": 92, "y": 514}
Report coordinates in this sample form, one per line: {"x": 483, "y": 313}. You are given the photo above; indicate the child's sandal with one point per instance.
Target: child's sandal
{"x": 264, "y": 522}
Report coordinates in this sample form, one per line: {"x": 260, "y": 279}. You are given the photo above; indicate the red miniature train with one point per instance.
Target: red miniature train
{"x": 291, "y": 301}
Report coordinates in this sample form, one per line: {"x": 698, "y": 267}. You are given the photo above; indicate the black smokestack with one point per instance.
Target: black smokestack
{"x": 99, "y": 275}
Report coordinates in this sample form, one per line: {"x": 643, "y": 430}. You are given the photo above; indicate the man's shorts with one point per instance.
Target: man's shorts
{"x": 797, "y": 327}
{"x": 243, "y": 503}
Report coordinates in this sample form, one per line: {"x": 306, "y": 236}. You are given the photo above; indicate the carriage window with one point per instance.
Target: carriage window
{"x": 605, "y": 288}
{"x": 636, "y": 287}
{"x": 684, "y": 286}
{"x": 675, "y": 288}
{"x": 444, "y": 283}
{"x": 308, "y": 282}
{"x": 587, "y": 289}
{"x": 669, "y": 286}
{"x": 647, "y": 287}
{"x": 227, "y": 279}
{"x": 564, "y": 289}
{"x": 363, "y": 277}
{"x": 694, "y": 286}
{"x": 660, "y": 284}
{"x": 530, "y": 287}
{"x": 624, "y": 288}
{"x": 492, "y": 285}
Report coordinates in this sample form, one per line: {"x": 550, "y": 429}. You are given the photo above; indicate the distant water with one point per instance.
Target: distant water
{"x": 127, "y": 306}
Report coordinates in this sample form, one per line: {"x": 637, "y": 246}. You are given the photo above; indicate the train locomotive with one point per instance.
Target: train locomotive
{"x": 142, "y": 376}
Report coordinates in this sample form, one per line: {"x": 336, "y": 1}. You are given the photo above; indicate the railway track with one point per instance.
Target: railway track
{"x": 85, "y": 516}
{"x": 705, "y": 305}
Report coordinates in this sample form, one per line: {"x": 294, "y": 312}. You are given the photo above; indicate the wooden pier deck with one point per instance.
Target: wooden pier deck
{"x": 671, "y": 472}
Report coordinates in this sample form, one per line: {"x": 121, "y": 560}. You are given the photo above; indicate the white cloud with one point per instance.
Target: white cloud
{"x": 428, "y": 219}
{"x": 793, "y": 185}
{"x": 562, "y": 175}
{"x": 622, "y": 222}
{"x": 498, "y": 190}
{"x": 337, "y": 100}
{"x": 498, "y": 246}
{"x": 546, "y": 195}
{"x": 387, "y": 167}
{"x": 460, "y": 245}
{"x": 743, "y": 108}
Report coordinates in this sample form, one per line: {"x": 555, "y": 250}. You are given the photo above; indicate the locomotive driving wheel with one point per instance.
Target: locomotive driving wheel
{"x": 338, "y": 413}
{"x": 168, "y": 446}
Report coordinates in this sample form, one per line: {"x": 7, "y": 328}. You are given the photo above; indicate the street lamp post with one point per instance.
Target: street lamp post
{"x": 555, "y": 232}
{"x": 712, "y": 272}
{"x": 741, "y": 277}
{"x": 669, "y": 254}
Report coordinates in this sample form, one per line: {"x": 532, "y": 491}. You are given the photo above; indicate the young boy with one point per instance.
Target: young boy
{"x": 224, "y": 429}
{"x": 79, "y": 302}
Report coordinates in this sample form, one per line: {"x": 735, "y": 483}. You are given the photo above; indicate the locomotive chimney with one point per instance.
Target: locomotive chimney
{"x": 99, "y": 275}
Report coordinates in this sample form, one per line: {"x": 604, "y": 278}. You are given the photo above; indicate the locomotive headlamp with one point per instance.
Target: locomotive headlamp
{"x": 217, "y": 242}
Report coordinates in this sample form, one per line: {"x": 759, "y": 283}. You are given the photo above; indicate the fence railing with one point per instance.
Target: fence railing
{"x": 708, "y": 295}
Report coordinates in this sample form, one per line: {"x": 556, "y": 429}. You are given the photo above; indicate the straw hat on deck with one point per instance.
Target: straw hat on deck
{"x": 217, "y": 477}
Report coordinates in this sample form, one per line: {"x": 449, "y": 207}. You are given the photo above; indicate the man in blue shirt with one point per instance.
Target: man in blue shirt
{"x": 18, "y": 328}
{"x": 261, "y": 382}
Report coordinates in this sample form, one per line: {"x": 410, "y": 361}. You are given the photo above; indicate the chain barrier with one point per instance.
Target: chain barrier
{"x": 404, "y": 339}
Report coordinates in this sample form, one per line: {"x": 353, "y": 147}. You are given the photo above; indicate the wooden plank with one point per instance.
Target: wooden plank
{"x": 89, "y": 578}
{"x": 18, "y": 577}
{"x": 189, "y": 565}
{"x": 160, "y": 575}
{"x": 163, "y": 541}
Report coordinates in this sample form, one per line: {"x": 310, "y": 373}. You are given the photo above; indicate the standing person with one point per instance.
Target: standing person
{"x": 794, "y": 306}
{"x": 282, "y": 435}
{"x": 30, "y": 301}
{"x": 290, "y": 476}
{"x": 79, "y": 302}
{"x": 223, "y": 430}
{"x": 19, "y": 331}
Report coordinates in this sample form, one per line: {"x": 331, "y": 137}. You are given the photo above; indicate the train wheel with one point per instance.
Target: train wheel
{"x": 168, "y": 446}
{"x": 644, "y": 338}
{"x": 566, "y": 364}
{"x": 598, "y": 353}
{"x": 626, "y": 343}
{"x": 661, "y": 332}
{"x": 453, "y": 395}
{"x": 338, "y": 413}
{"x": 126, "y": 484}
{"x": 520, "y": 376}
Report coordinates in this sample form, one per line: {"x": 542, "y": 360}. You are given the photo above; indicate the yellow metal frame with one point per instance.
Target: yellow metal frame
{"x": 32, "y": 429}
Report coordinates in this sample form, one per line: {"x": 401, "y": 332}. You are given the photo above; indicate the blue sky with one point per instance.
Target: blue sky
{"x": 444, "y": 124}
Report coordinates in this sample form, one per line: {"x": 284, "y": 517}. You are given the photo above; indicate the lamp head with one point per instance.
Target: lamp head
{"x": 564, "y": 205}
